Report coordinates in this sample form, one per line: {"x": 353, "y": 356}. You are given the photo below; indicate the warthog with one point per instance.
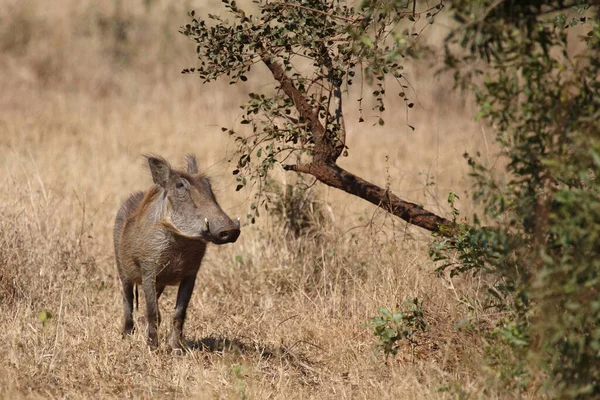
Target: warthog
{"x": 160, "y": 238}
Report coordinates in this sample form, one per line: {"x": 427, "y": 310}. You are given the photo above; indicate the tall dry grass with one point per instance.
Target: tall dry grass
{"x": 86, "y": 88}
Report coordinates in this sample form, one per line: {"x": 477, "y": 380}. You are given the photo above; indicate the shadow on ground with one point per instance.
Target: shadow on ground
{"x": 234, "y": 346}
{"x": 239, "y": 347}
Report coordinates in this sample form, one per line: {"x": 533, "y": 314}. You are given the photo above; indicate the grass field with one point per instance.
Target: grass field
{"x": 86, "y": 89}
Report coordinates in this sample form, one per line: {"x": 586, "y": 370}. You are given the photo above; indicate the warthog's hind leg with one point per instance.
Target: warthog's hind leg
{"x": 127, "y": 308}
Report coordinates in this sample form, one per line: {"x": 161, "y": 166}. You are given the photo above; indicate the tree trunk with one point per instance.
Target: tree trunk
{"x": 328, "y": 149}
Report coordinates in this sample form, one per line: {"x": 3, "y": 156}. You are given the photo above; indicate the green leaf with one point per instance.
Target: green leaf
{"x": 385, "y": 312}
{"x": 596, "y": 157}
{"x": 366, "y": 40}
{"x": 44, "y": 316}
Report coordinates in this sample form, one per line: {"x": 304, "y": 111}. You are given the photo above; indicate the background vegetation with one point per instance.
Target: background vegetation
{"x": 290, "y": 309}
{"x": 541, "y": 243}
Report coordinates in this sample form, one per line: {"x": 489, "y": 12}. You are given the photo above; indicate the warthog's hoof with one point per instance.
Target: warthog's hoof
{"x": 152, "y": 347}
{"x": 177, "y": 344}
{"x": 128, "y": 330}
{"x": 152, "y": 340}
{"x": 177, "y": 352}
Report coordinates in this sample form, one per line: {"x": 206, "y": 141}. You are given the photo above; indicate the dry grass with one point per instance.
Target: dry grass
{"x": 86, "y": 89}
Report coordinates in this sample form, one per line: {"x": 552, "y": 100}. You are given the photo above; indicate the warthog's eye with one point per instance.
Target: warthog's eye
{"x": 179, "y": 185}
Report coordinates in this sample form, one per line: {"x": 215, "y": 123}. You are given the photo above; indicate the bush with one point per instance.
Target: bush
{"x": 542, "y": 246}
{"x": 391, "y": 327}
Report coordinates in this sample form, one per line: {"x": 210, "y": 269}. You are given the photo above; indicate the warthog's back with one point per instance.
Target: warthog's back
{"x": 128, "y": 208}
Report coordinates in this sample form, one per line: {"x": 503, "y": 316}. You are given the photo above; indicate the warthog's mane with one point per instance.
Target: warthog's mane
{"x": 146, "y": 201}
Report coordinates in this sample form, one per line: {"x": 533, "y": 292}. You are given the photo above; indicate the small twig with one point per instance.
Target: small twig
{"x": 296, "y": 168}
{"x": 321, "y": 12}
{"x": 294, "y": 359}
{"x": 308, "y": 343}
{"x": 82, "y": 228}
{"x": 57, "y": 328}
{"x": 284, "y": 321}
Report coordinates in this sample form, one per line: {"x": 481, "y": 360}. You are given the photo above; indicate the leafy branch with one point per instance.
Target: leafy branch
{"x": 304, "y": 117}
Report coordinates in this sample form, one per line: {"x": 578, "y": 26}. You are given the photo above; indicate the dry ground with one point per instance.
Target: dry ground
{"x": 85, "y": 89}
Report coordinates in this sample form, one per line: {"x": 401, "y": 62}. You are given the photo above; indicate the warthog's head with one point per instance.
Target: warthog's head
{"x": 188, "y": 205}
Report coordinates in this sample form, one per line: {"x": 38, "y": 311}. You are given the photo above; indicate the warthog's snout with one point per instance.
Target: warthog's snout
{"x": 221, "y": 232}
{"x": 228, "y": 235}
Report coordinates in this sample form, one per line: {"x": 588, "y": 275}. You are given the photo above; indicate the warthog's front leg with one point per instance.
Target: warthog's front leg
{"x": 159, "y": 292}
{"x": 186, "y": 287}
{"x": 152, "y": 313}
{"x": 127, "y": 308}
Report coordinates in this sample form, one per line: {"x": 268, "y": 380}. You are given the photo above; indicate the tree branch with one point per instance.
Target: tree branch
{"x": 336, "y": 84}
{"x": 351, "y": 20}
{"x": 324, "y": 149}
{"x": 337, "y": 177}
{"x": 324, "y": 168}
{"x": 339, "y": 119}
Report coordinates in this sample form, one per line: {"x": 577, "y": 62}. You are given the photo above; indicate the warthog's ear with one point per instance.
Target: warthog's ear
{"x": 161, "y": 170}
{"x": 192, "y": 165}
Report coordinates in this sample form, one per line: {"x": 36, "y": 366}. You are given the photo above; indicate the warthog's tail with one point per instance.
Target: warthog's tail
{"x": 137, "y": 298}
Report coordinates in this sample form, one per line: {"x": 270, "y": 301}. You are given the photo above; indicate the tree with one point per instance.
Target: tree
{"x": 304, "y": 119}
{"x": 540, "y": 248}
{"x": 542, "y": 245}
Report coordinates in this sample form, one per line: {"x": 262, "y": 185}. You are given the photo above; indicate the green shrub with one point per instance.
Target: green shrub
{"x": 541, "y": 246}
{"x": 393, "y": 326}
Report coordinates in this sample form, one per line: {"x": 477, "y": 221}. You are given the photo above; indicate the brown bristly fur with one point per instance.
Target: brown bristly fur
{"x": 160, "y": 240}
{"x": 146, "y": 200}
